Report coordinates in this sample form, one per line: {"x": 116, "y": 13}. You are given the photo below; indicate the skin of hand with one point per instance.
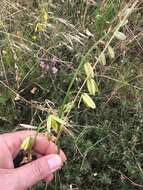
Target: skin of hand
{"x": 26, "y": 176}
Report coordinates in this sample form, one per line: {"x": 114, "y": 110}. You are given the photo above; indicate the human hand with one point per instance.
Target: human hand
{"x": 25, "y": 176}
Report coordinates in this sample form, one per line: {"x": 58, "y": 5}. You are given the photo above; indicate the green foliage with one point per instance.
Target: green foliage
{"x": 44, "y": 49}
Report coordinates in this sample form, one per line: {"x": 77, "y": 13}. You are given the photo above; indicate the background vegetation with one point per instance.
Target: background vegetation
{"x": 43, "y": 47}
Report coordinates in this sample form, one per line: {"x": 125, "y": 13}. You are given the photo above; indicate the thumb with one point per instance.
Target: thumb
{"x": 37, "y": 170}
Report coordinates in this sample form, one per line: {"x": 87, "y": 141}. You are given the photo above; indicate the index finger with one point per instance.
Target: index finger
{"x": 45, "y": 147}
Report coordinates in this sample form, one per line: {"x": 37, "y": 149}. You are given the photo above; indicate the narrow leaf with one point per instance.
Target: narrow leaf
{"x": 49, "y": 123}
{"x": 2, "y": 100}
{"x": 58, "y": 120}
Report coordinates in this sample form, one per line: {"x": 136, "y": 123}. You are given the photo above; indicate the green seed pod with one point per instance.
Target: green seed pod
{"x": 102, "y": 59}
{"x": 27, "y": 143}
{"x": 54, "y": 125}
{"x": 88, "y": 101}
{"x": 111, "y": 52}
{"x": 51, "y": 124}
{"x": 54, "y": 122}
{"x": 92, "y": 86}
{"x": 120, "y": 36}
{"x": 89, "y": 70}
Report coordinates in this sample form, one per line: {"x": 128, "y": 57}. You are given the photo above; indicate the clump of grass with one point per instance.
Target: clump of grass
{"x": 45, "y": 82}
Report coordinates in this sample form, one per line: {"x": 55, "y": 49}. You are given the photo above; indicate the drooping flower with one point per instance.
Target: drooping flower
{"x": 44, "y": 65}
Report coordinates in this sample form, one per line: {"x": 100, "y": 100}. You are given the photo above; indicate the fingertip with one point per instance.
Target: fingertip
{"x": 49, "y": 178}
{"x": 63, "y": 156}
{"x": 54, "y": 162}
{"x": 52, "y": 148}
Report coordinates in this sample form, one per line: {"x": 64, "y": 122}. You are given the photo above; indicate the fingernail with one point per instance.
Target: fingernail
{"x": 54, "y": 162}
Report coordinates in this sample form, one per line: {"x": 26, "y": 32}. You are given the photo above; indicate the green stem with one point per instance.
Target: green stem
{"x": 61, "y": 114}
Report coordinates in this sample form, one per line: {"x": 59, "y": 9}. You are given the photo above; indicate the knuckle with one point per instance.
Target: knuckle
{"x": 37, "y": 169}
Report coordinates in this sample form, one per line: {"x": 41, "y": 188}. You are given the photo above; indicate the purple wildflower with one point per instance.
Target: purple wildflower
{"x": 55, "y": 61}
{"x": 43, "y": 65}
{"x": 55, "y": 70}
